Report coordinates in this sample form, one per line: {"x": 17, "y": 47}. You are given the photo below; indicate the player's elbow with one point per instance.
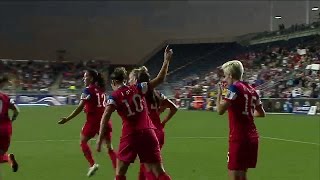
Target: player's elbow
{"x": 173, "y": 109}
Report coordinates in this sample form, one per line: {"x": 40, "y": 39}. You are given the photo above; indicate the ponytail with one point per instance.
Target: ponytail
{"x": 100, "y": 81}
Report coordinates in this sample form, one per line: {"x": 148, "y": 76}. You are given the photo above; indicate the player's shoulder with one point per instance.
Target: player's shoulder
{"x": 236, "y": 87}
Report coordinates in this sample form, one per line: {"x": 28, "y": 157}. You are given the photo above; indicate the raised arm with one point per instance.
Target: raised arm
{"x": 164, "y": 69}
{"x": 222, "y": 105}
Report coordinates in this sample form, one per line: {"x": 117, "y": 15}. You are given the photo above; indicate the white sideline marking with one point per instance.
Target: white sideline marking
{"x": 48, "y": 140}
{"x": 187, "y": 137}
{"x": 289, "y": 140}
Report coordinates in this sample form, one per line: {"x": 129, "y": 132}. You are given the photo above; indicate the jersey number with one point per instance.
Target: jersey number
{"x": 137, "y": 100}
{"x": 1, "y": 106}
{"x": 251, "y": 104}
{"x": 101, "y": 100}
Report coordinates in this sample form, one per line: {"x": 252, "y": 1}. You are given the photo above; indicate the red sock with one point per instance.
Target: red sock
{"x": 113, "y": 158}
{"x": 121, "y": 177}
{"x": 142, "y": 172}
{"x": 164, "y": 176}
{"x": 87, "y": 153}
{"x": 4, "y": 158}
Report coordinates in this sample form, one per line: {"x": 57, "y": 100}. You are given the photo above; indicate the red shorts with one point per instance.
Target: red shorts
{"x": 160, "y": 136}
{"x": 5, "y": 137}
{"x": 91, "y": 129}
{"x": 242, "y": 154}
{"x": 143, "y": 143}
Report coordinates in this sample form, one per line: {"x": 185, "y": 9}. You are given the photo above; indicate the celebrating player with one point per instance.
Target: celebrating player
{"x": 138, "y": 135}
{"x": 242, "y": 103}
{"x": 153, "y": 99}
{"x": 6, "y": 126}
{"x": 93, "y": 101}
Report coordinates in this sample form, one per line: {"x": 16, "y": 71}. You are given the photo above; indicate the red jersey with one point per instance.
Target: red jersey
{"x": 243, "y": 100}
{"x": 94, "y": 102}
{"x": 5, "y": 104}
{"x": 153, "y": 107}
{"x": 131, "y": 106}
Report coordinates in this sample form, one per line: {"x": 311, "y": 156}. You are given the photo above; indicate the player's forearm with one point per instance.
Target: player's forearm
{"x": 161, "y": 75}
{"x": 172, "y": 112}
{"x": 259, "y": 114}
{"x": 15, "y": 115}
{"x": 104, "y": 120}
{"x": 75, "y": 113}
{"x": 219, "y": 105}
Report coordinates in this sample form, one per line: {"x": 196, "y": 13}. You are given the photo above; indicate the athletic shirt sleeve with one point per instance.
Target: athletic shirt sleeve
{"x": 85, "y": 94}
{"x": 12, "y": 102}
{"x": 232, "y": 93}
{"x": 111, "y": 100}
{"x": 143, "y": 87}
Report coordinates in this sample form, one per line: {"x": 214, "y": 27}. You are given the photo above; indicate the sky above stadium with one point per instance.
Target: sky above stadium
{"x": 126, "y": 31}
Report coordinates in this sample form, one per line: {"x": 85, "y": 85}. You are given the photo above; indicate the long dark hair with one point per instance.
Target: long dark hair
{"x": 97, "y": 78}
{"x": 144, "y": 76}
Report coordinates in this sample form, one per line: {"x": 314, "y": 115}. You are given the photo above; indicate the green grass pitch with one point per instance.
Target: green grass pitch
{"x": 195, "y": 147}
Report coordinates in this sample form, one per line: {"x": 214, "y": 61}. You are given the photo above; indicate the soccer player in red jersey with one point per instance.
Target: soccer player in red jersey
{"x": 138, "y": 135}
{"x": 242, "y": 103}
{"x": 7, "y": 104}
{"x": 93, "y": 101}
{"x": 156, "y": 103}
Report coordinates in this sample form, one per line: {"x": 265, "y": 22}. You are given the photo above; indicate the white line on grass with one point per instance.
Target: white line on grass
{"x": 264, "y": 137}
{"x": 187, "y": 137}
{"x": 48, "y": 140}
{"x": 289, "y": 140}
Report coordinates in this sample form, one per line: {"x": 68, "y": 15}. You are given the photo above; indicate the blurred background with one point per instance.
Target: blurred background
{"x": 45, "y": 46}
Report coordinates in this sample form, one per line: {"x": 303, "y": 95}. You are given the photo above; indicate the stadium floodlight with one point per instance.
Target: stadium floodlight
{"x": 277, "y": 17}
{"x": 315, "y": 9}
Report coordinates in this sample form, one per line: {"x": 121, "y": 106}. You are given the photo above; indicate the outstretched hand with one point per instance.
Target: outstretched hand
{"x": 63, "y": 120}
{"x": 168, "y": 53}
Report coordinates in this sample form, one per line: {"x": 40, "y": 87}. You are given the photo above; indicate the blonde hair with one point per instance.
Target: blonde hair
{"x": 233, "y": 68}
{"x": 135, "y": 72}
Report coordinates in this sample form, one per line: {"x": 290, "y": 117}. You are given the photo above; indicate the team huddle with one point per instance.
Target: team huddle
{"x": 139, "y": 105}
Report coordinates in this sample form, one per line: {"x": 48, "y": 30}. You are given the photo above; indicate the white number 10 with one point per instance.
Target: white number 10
{"x": 137, "y": 103}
